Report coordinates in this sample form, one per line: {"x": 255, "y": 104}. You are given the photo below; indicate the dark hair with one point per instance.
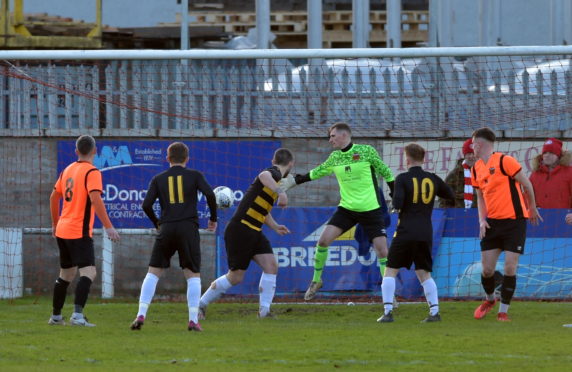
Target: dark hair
{"x": 282, "y": 156}
{"x": 415, "y": 152}
{"x": 85, "y": 144}
{"x": 486, "y": 133}
{"x": 340, "y": 126}
{"x": 177, "y": 152}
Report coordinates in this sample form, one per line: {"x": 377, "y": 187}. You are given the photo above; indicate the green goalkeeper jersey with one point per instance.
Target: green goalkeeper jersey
{"x": 356, "y": 169}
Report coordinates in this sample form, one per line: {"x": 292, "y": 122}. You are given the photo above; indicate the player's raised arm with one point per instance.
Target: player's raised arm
{"x": 267, "y": 180}
{"x": 150, "y": 197}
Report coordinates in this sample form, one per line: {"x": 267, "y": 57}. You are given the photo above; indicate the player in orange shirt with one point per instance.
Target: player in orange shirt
{"x": 503, "y": 211}
{"x": 80, "y": 186}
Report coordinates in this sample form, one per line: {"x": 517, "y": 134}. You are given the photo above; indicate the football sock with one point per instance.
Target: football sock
{"x": 193, "y": 297}
{"x": 221, "y": 285}
{"x": 489, "y": 287}
{"x": 507, "y": 289}
{"x": 503, "y": 308}
{"x": 266, "y": 288}
{"x": 382, "y": 265}
{"x": 60, "y": 291}
{"x": 147, "y": 293}
{"x": 431, "y": 295}
{"x": 387, "y": 293}
{"x": 319, "y": 261}
{"x": 81, "y": 293}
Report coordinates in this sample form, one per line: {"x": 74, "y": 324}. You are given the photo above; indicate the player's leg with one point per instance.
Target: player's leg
{"x": 83, "y": 254}
{"x": 267, "y": 285}
{"x": 423, "y": 268}
{"x": 238, "y": 240}
{"x": 515, "y": 237}
{"x": 431, "y": 295}
{"x": 388, "y": 294}
{"x": 509, "y": 284}
{"x": 67, "y": 274}
{"x": 148, "y": 288}
{"x": 341, "y": 221}
{"x": 190, "y": 261}
{"x": 489, "y": 258}
{"x": 163, "y": 250}
{"x": 373, "y": 225}
{"x": 328, "y": 235}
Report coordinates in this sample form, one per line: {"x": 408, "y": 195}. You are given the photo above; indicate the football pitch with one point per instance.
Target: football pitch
{"x": 300, "y": 337}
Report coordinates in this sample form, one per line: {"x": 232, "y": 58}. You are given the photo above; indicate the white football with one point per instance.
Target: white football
{"x": 224, "y": 197}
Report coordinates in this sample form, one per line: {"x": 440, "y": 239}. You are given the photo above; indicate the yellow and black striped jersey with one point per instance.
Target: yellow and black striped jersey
{"x": 257, "y": 202}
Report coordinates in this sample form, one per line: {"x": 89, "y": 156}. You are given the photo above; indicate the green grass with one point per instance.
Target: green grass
{"x": 301, "y": 337}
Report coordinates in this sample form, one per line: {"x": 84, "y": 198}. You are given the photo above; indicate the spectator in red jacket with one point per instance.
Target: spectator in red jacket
{"x": 552, "y": 176}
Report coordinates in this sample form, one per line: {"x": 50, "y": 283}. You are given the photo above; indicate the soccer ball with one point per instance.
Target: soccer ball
{"x": 224, "y": 197}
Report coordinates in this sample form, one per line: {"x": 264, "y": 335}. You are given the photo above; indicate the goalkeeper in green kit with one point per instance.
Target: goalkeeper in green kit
{"x": 357, "y": 168}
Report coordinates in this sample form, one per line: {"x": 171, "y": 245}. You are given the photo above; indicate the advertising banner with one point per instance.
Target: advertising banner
{"x": 345, "y": 269}
{"x": 128, "y": 166}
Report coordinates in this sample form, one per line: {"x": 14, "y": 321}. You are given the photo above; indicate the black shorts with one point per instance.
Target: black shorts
{"x": 506, "y": 234}
{"x": 76, "y": 252}
{"x": 182, "y": 237}
{"x": 371, "y": 221}
{"x": 242, "y": 243}
{"x": 403, "y": 253}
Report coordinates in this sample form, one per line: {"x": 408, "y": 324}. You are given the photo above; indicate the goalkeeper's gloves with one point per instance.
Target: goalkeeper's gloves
{"x": 287, "y": 182}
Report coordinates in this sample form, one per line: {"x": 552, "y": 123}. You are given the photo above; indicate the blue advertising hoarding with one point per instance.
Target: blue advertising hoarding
{"x": 345, "y": 269}
{"x": 545, "y": 270}
{"x": 128, "y": 166}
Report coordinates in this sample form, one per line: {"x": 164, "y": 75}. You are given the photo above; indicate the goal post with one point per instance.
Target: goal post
{"x": 234, "y": 108}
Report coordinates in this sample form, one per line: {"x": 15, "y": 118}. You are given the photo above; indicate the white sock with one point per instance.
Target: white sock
{"x": 147, "y": 293}
{"x": 193, "y": 297}
{"x": 490, "y": 296}
{"x": 387, "y": 293}
{"x": 430, "y": 289}
{"x": 503, "y": 308}
{"x": 212, "y": 294}
{"x": 266, "y": 288}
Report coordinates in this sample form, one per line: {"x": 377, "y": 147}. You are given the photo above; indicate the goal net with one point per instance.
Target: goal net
{"x": 234, "y": 111}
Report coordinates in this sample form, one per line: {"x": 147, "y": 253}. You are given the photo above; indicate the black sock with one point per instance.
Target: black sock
{"x": 60, "y": 291}
{"x": 507, "y": 289}
{"x": 488, "y": 284}
{"x": 81, "y": 293}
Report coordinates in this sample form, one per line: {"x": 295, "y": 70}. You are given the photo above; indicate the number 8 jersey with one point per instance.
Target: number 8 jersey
{"x": 75, "y": 183}
{"x": 414, "y": 196}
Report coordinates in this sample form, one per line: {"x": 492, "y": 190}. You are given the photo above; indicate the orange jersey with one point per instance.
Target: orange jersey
{"x": 75, "y": 183}
{"x": 502, "y": 194}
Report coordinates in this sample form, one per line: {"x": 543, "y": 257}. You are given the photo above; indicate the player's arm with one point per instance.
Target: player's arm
{"x": 444, "y": 191}
{"x": 208, "y": 192}
{"x": 534, "y": 217}
{"x": 55, "y": 199}
{"x": 398, "y": 193}
{"x": 150, "y": 197}
{"x": 450, "y": 181}
{"x": 482, "y": 208}
{"x": 268, "y": 180}
{"x": 101, "y": 212}
{"x": 322, "y": 170}
{"x": 280, "y": 229}
{"x": 381, "y": 168}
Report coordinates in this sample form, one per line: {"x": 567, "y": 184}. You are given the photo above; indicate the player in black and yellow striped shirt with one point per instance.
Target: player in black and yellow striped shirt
{"x": 244, "y": 239}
